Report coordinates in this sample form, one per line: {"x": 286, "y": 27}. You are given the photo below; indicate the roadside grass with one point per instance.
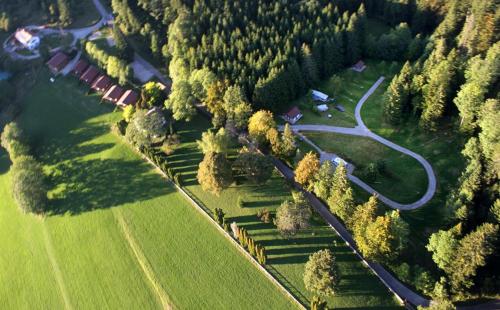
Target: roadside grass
{"x": 352, "y": 87}
{"x": 286, "y": 257}
{"x": 443, "y": 151}
{"x": 404, "y": 181}
{"x": 97, "y": 182}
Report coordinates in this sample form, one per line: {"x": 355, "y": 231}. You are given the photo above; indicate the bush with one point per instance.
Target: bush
{"x": 264, "y": 215}
{"x": 381, "y": 166}
{"x": 219, "y": 216}
{"x": 178, "y": 179}
{"x": 370, "y": 172}
{"x": 119, "y": 128}
{"x": 28, "y": 185}
{"x": 13, "y": 140}
{"x": 240, "y": 203}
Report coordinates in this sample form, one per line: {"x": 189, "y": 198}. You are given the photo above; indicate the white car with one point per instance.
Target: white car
{"x": 338, "y": 160}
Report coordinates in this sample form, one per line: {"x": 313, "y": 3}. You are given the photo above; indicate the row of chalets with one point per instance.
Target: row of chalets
{"x": 93, "y": 77}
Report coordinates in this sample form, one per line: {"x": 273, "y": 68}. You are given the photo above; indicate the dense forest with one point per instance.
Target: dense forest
{"x": 271, "y": 52}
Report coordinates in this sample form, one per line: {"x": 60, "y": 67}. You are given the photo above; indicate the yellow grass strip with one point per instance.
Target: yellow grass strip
{"x": 143, "y": 261}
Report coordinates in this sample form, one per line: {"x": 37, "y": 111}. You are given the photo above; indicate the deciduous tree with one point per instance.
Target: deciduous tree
{"x": 214, "y": 173}
{"x": 321, "y": 275}
{"x": 307, "y": 169}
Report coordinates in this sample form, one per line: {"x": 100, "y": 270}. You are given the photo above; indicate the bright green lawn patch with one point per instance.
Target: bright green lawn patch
{"x": 359, "y": 288}
{"x": 81, "y": 256}
{"x": 353, "y": 86}
{"x": 405, "y": 180}
{"x": 442, "y": 150}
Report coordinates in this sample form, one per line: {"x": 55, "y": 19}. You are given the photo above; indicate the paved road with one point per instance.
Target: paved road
{"x": 388, "y": 279}
{"x": 363, "y": 131}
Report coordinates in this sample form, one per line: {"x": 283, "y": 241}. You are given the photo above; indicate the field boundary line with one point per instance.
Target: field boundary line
{"x": 200, "y": 209}
{"x": 166, "y": 303}
{"x": 55, "y": 267}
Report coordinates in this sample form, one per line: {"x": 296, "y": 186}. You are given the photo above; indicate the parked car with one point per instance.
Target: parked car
{"x": 337, "y": 160}
{"x": 340, "y": 108}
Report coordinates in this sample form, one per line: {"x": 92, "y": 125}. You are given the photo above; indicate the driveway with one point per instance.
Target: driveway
{"x": 361, "y": 130}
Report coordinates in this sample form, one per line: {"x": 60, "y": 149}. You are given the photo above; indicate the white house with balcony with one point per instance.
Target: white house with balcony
{"x": 27, "y": 39}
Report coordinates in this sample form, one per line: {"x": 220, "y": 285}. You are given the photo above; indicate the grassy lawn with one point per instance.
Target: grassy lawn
{"x": 405, "y": 179}
{"x": 442, "y": 149}
{"x": 359, "y": 288}
{"x": 86, "y": 14}
{"x": 56, "y": 40}
{"x": 353, "y": 86}
{"x": 108, "y": 205}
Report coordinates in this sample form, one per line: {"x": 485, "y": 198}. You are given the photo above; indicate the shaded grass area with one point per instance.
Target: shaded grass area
{"x": 442, "y": 150}
{"x": 95, "y": 178}
{"x": 405, "y": 179}
{"x": 286, "y": 257}
{"x": 352, "y": 87}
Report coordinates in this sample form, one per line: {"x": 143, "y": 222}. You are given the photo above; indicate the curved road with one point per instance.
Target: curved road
{"x": 363, "y": 131}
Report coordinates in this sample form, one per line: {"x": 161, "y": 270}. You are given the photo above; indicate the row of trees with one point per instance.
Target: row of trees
{"x": 114, "y": 66}
{"x": 28, "y": 180}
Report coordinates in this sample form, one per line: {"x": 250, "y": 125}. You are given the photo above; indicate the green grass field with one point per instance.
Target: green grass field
{"x": 358, "y": 289}
{"x": 352, "y": 87}
{"x": 119, "y": 236}
{"x": 405, "y": 179}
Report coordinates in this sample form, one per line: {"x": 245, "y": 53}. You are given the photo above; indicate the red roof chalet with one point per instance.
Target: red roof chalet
{"x": 129, "y": 97}
{"x": 101, "y": 83}
{"x": 57, "y": 62}
{"x": 293, "y": 115}
{"x": 89, "y": 75}
{"x": 80, "y": 67}
{"x": 113, "y": 94}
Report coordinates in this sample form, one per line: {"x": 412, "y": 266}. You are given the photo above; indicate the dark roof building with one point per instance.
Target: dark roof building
{"x": 359, "y": 66}
{"x": 113, "y": 94}
{"x": 57, "y": 62}
{"x": 80, "y": 67}
{"x": 89, "y": 75}
{"x": 101, "y": 84}
{"x": 293, "y": 115}
{"x": 129, "y": 97}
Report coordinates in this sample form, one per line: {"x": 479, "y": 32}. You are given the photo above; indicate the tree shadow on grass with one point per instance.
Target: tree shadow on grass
{"x": 4, "y": 162}
{"x": 86, "y": 185}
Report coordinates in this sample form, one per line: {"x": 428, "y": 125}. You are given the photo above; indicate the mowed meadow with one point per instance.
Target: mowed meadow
{"x": 118, "y": 235}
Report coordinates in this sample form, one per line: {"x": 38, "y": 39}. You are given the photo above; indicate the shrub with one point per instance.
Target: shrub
{"x": 219, "y": 216}
{"x": 381, "y": 166}
{"x": 264, "y": 215}
{"x": 28, "y": 185}
{"x": 240, "y": 203}
{"x": 370, "y": 172}
{"x": 318, "y": 304}
{"x": 178, "y": 179}
{"x": 13, "y": 140}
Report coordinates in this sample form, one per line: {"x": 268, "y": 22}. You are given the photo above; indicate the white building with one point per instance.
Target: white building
{"x": 27, "y": 39}
{"x": 319, "y": 96}
{"x": 322, "y": 107}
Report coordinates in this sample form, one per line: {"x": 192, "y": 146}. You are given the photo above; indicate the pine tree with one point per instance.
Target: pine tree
{"x": 341, "y": 201}
{"x": 397, "y": 97}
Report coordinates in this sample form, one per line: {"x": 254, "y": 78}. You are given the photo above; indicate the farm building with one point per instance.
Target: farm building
{"x": 113, "y": 94}
{"x": 57, "y": 62}
{"x": 27, "y": 39}
{"x": 293, "y": 115}
{"x": 80, "y": 67}
{"x": 129, "y": 97}
{"x": 101, "y": 83}
{"x": 319, "y": 96}
{"x": 359, "y": 66}
{"x": 89, "y": 75}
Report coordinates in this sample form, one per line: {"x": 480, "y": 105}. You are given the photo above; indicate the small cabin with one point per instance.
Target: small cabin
{"x": 359, "y": 66}
{"x": 57, "y": 62}
{"x": 129, "y": 97}
{"x": 80, "y": 67}
{"x": 89, "y": 75}
{"x": 101, "y": 84}
{"x": 113, "y": 94}
{"x": 293, "y": 115}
